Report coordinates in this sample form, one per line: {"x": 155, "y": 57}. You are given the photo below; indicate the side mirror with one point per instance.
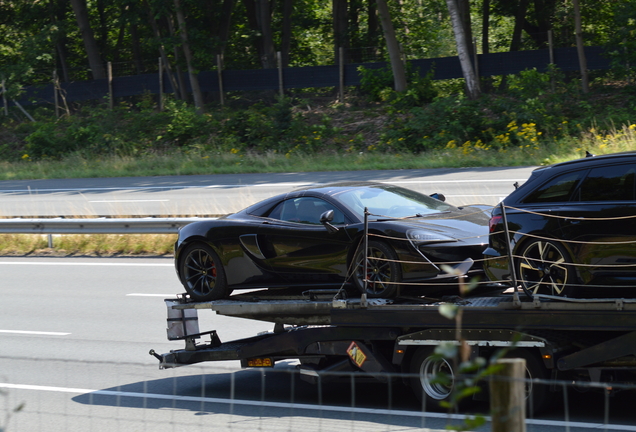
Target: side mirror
{"x": 438, "y": 196}
{"x": 326, "y": 218}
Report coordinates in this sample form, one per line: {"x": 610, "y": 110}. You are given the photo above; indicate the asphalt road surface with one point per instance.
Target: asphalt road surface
{"x": 222, "y": 194}
{"x": 75, "y": 335}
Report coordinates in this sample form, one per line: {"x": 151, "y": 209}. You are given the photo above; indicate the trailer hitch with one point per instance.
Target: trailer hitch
{"x": 157, "y": 356}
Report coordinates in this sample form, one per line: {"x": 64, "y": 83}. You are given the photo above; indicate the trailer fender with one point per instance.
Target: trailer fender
{"x": 359, "y": 355}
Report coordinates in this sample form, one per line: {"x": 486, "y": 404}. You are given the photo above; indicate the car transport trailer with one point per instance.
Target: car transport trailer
{"x": 582, "y": 340}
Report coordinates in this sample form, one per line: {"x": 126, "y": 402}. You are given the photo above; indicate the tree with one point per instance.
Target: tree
{"x": 463, "y": 50}
{"x": 90, "y": 44}
{"x": 194, "y": 80}
{"x": 259, "y": 17}
{"x": 397, "y": 64}
{"x": 579, "y": 46}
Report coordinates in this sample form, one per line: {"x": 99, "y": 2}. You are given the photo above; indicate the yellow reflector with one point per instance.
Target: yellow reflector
{"x": 260, "y": 362}
{"x": 547, "y": 356}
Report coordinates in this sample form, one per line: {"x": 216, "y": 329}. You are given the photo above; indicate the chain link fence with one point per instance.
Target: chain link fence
{"x": 72, "y": 395}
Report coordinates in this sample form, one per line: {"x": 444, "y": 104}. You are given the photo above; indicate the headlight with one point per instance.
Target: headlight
{"x": 419, "y": 236}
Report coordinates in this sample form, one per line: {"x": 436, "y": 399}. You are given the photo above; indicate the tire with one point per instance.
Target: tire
{"x": 383, "y": 272}
{"x": 544, "y": 267}
{"x": 202, "y": 273}
{"x": 538, "y": 395}
{"x": 427, "y": 381}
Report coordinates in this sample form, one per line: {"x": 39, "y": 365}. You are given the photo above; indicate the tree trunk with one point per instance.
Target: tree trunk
{"x": 162, "y": 52}
{"x": 463, "y": 51}
{"x": 515, "y": 43}
{"x": 264, "y": 17}
{"x": 463, "y": 6}
{"x": 397, "y": 65}
{"x": 194, "y": 79}
{"x": 92, "y": 51}
{"x": 373, "y": 26}
{"x": 485, "y": 41}
{"x": 259, "y": 19}
{"x": 579, "y": 46}
{"x": 225, "y": 25}
{"x": 175, "y": 50}
{"x": 340, "y": 30}
{"x": 288, "y": 8}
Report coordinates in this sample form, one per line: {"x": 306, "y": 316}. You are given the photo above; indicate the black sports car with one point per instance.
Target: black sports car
{"x": 572, "y": 228}
{"x": 313, "y": 237}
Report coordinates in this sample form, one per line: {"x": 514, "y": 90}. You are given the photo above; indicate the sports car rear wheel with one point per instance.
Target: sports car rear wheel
{"x": 202, "y": 273}
{"x": 383, "y": 270}
{"x": 543, "y": 268}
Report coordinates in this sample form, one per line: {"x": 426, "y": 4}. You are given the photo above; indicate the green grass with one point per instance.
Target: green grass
{"x": 190, "y": 163}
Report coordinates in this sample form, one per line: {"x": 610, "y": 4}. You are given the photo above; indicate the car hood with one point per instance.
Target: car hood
{"x": 468, "y": 224}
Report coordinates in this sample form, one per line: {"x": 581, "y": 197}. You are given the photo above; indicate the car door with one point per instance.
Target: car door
{"x": 600, "y": 223}
{"x": 296, "y": 245}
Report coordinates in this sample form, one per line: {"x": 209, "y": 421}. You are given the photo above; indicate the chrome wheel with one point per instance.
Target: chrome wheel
{"x": 543, "y": 268}
{"x": 437, "y": 378}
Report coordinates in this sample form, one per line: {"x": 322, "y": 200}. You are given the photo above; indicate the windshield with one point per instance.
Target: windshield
{"x": 390, "y": 202}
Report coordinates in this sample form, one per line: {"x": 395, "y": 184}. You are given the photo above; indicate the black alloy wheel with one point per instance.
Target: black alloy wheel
{"x": 383, "y": 270}
{"x": 202, "y": 273}
{"x": 543, "y": 267}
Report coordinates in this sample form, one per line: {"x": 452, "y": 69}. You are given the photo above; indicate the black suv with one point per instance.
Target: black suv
{"x": 571, "y": 227}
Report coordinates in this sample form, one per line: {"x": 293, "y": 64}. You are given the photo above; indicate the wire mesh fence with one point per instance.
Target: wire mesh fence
{"x": 71, "y": 395}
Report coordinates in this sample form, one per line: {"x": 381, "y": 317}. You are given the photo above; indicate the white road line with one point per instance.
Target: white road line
{"x": 39, "y": 333}
{"x": 128, "y": 201}
{"x": 570, "y": 424}
{"x": 86, "y": 264}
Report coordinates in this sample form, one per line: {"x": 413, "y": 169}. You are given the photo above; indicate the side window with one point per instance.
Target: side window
{"x": 610, "y": 183}
{"x": 558, "y": 189}
{"x": 305, "y": 210}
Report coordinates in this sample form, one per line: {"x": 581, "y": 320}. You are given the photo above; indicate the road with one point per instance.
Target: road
{"x": 75, "y": 335}
{"x": 222, "y": 194}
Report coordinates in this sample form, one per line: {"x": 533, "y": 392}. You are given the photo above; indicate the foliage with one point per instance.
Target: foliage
{"x": 622, "y": 41}
{"x": 378, "y": 85}
{"x": 538, "y": 109}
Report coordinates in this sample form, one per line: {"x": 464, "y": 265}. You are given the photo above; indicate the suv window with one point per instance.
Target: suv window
{"x": 609, "y": 183}
{"x": 558, "y": 189}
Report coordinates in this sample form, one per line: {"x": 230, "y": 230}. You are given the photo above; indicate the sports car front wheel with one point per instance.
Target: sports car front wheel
{"x": 202, "y": 273}
{"x": 383, "y": 270}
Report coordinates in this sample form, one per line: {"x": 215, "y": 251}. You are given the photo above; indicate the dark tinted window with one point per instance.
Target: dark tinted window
{"x": 305, "y": 210}
{"x": 558, "y": 189}
{"x": 610, "y": 183}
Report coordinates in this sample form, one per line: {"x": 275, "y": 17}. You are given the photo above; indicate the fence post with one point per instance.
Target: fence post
{"x": 110, "y": 85}
{"x": 219, "y": 68}
{"x": 341, "y": 74}
{"x": 279, "y": 62}
{"x": 551, "y": 51}
{"x": 160, "y": 84}
{"x": 55, "y": 95}
{"x": 4, "y": 99}
{"x": 507, "y": 396}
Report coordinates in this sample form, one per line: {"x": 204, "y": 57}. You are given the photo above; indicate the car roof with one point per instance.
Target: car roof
{"x": 593, "y": 159}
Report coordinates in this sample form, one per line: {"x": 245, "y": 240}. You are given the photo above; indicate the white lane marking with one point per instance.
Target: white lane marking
{"x": 39, "y": 333}
{"x": 151, "y": 295}
{"x": 243, "y": 185}
{"x": 129, "y": 201}
{"x": 197, "y": 399}
{"x": 85, "y": 264}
